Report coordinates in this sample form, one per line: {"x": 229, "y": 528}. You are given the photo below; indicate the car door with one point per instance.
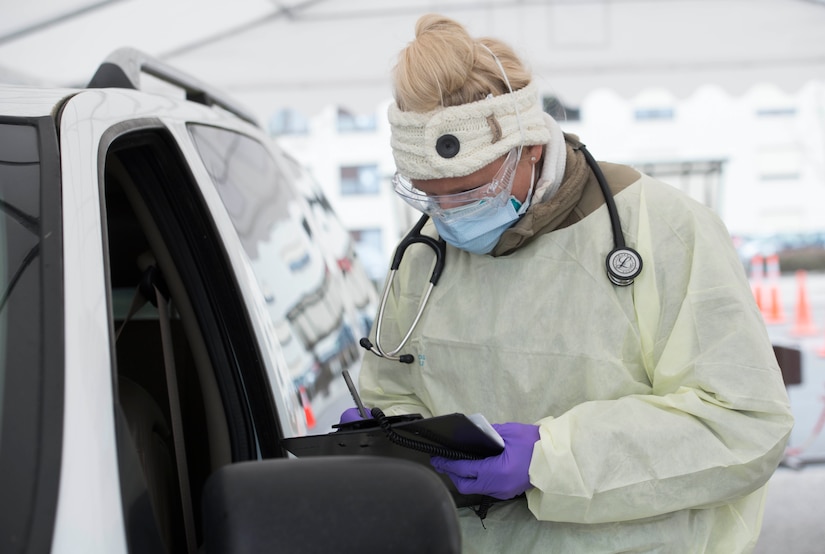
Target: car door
{"x": 141, "y": 382}
{"x": 155, "y": 401}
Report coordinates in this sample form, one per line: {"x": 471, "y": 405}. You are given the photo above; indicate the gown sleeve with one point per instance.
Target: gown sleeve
{"x": 713, "y": 427}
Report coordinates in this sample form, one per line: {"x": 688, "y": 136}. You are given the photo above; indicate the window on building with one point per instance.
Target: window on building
{"x": 653, "y": 114}
{"x": 655, "y": 104}
{"x": 288, "y": 122}
{"x": 780, "y": 163}
{"x": 349, "y": 122}
{"x": 360, "y": 179}
{"x": 770, "y": 102}
{"x": 560, "y": 112}
{"x": 776, "y": 111}
{"x": 368, "y": 248}
{"x": 699, "y": 179}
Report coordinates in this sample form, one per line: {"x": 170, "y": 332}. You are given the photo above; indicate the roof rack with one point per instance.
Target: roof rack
{"x": 122, "y": 69}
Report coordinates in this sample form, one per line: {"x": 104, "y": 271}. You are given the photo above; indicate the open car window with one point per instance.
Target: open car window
{"x": 206, "y": 387}
{"x": 305, "y": 304}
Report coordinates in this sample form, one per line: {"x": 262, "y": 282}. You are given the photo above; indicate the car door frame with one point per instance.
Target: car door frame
{"x": 90, "y": 122}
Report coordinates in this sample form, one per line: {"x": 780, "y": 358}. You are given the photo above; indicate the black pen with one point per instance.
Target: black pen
{"x": 351, "y": 386}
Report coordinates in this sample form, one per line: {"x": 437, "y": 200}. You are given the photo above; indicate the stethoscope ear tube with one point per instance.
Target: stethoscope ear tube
{"x": 440, "y": 249}
{"x": 403, "y": 358}
{"x": 623, "y": 264}
{"x": 415, "y": 237}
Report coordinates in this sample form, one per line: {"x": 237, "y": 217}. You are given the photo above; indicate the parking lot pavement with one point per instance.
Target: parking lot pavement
{"x": 794, "y": 512}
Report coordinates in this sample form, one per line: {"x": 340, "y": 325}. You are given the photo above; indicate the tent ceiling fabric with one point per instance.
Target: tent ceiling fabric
{"x": 307, "y": 54}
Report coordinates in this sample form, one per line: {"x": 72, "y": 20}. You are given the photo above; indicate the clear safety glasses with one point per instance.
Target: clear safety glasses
{"x": 452, "y": 207}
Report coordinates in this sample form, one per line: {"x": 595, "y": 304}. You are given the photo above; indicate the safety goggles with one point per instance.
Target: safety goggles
{"x": 452, "y": 207}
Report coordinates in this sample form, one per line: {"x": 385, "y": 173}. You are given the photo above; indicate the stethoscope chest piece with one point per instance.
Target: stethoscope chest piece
{"x": 623, "y": 265}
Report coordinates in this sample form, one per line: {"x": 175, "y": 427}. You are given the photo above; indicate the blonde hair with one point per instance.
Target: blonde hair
{"x": 444, "y": 66}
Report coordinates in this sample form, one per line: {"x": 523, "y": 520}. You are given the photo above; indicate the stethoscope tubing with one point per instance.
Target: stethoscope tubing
{"x": 623, "y": 264}
{"x": 615, "y": 224}
{"x": 379, "y": 321}
{"x": 413, "y": 237}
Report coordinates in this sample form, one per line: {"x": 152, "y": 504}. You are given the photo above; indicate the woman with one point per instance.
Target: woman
{"x": 643, "y": 418}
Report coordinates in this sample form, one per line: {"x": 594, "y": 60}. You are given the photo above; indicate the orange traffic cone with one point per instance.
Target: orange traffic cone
{"x": 804, "y": 322}
{"x": 307, "y": 408}
{"x": 773, "y": 312}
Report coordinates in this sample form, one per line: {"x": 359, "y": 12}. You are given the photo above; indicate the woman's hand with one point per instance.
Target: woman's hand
{"x": 503, "y": 476}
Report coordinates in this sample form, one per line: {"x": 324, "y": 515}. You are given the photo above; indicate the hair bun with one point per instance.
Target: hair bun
{"x": 445, "y": 66}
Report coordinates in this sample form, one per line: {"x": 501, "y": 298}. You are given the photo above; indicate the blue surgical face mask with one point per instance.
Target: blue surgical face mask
{"x": 481, "y": 232}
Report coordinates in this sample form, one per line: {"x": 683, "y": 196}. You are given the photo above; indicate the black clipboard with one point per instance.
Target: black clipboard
{"x": 452, "y": 432}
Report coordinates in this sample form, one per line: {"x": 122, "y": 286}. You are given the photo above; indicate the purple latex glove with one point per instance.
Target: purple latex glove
{"x": 503, "y": 476}
{"x": 352, "y": 414}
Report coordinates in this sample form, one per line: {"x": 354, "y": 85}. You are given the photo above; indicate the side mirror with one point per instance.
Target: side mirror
{"x": 328, "y": 504}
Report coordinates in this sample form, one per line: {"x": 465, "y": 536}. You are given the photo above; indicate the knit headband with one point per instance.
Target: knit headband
{"x": 458, "y": 140}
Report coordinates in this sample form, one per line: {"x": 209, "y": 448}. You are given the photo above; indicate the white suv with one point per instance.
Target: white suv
{"x": 175, "y": 291}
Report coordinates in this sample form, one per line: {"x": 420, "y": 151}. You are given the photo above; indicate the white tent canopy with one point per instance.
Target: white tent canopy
{"x": 307, "y": 54}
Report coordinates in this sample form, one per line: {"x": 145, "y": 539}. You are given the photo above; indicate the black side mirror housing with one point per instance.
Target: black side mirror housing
{"x": 328, "y": 504}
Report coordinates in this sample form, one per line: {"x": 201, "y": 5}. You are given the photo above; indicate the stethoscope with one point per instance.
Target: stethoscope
{"x": 623, "y": 265}
{"x": 440, "y": 249}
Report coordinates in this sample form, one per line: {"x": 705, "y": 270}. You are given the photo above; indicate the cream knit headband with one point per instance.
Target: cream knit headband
{"x": 458, "y": 140}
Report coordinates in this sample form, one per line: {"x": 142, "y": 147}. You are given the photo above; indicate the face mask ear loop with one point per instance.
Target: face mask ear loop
{"x": 529, "y": 197}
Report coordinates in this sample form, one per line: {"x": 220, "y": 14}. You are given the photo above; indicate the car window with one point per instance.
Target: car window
{"x": 274, "y": 221}
{"x": 338, "y": 242}
{"x": 30, "y": 329}
{"x": 19, "y": 242}
{"x": 160, "y": 229}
